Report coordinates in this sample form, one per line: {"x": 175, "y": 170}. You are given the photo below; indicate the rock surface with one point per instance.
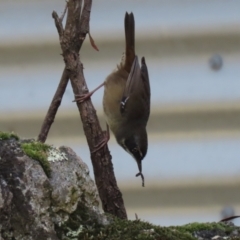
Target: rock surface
{"x": 53, "y": 197}
{"x": 33, "y": 206}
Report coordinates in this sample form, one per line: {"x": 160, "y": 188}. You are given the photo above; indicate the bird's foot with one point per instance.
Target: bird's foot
{"x": 100, "y": 145}
{"x": 103, "y": 142}
{"x": 83, "y": 97}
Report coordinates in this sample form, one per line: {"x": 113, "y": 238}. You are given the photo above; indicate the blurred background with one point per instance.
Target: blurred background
{"x": 192, "y": 49}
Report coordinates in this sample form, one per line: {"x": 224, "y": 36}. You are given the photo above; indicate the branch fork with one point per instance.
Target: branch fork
{"x": 71, "y": 39}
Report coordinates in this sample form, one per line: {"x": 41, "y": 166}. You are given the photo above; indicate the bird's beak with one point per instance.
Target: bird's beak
{"x": 139, "y": 163}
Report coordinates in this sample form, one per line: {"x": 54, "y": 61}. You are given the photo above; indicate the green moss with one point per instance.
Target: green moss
{"x": 120, "y": 229}
{"x": 39, "y": 152}
{"x": 195, "y": 227}
{"x": 132, "y": 230}
{"x": 6, "y": 136}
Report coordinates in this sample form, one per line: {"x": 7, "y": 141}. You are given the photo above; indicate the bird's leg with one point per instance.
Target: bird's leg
{"x": 83, "y": 97}
{"x": 104, "y": 141}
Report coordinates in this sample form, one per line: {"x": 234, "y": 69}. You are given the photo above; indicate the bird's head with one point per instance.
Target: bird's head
{"x": 136, "y": 144}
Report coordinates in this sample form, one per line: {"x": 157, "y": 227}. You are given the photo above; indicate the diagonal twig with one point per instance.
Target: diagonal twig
{"x": 56, "y": 102}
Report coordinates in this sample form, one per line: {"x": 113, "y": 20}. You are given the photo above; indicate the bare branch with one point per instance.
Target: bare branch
{"x": 56, "y": 102}
{"x": 85, "y": 17}
{"x": 58, "y": 23}
{"x": 64, "y": 12}
{"x": 71, "y": 41}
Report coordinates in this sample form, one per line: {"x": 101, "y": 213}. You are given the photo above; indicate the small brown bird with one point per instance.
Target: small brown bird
{"x": 126, "y": 100}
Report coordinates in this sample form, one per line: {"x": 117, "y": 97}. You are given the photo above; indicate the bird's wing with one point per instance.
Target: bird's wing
{"x": 137, "y": 89}
{"x": 146, "y": 84}
{"x": 131, "y": 84}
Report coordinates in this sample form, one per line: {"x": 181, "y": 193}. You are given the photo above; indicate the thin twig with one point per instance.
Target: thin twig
{"x": 64, "y": 12}
{"x": 56, "y": 102}
{"x": 58, "y": 23}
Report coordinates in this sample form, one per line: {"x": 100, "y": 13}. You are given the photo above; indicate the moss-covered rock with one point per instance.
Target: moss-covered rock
{"x": 6, "y": 136}
{"x": 65, "y": 205}
{"x": 120, "y": 229}
{"x": 39, "y": 152}
{"x": 34, "y": 206}
{"x": 209, "y": 230}
{"x": 140, "y": 230}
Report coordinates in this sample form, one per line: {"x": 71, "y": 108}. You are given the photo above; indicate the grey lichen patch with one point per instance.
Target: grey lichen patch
{"x": 39, "y": 152}
{"x": 6, "y": 136}
{"x": 55, "y": 154}
{"x": 74, "y": 234}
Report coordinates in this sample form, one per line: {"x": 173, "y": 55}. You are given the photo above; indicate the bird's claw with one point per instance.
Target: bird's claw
{"x": 102, "y": 143}
{"x": 82, "y": 98}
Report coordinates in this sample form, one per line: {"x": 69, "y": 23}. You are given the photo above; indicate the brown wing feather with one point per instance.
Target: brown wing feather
{"x": 146, "y": 85}
{"x": 137, "y": 93}
{"x": 132, "y": 84}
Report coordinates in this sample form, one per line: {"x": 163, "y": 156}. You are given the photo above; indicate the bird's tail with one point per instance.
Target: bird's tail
{"x": 130, "y": 41}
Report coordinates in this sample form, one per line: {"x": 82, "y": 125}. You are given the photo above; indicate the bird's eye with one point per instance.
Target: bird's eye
{"x": 137, "y": 154}
{"x": 135, "y": 150}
